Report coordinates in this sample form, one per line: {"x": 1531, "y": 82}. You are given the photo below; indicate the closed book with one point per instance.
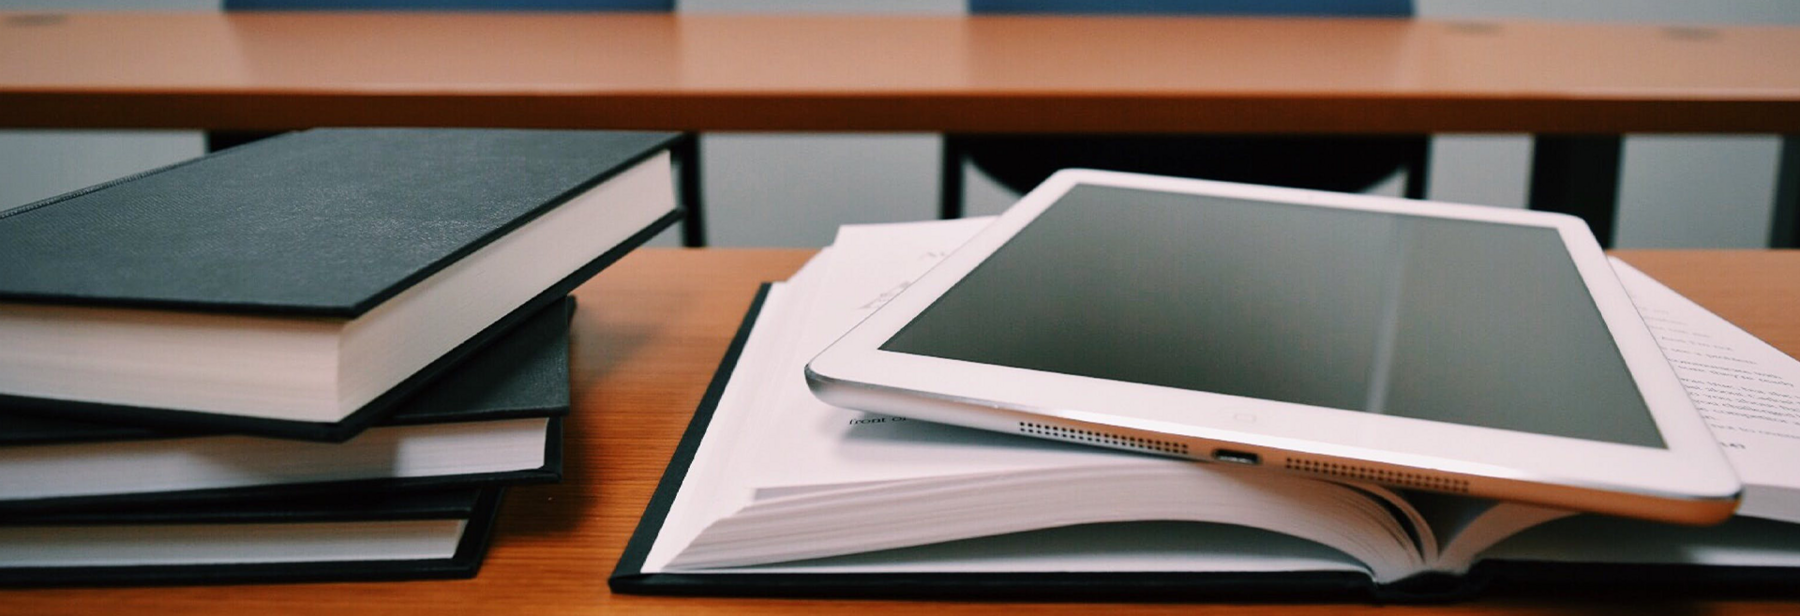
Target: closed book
{"x": 301, "y": 286}
{"x": 421, "y": 535}
{"x": 491, "y": 420}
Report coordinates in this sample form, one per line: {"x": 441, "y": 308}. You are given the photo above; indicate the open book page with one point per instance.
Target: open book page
{"x": 1748, "y": 391}
{"x": 1739, "y": 542}
{"x": 1469, "y": 526}
{"x": 791, "y": 457}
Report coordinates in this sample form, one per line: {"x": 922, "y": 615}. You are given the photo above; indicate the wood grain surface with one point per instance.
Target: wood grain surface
{"x": 648, "y": 334}
{"x": 891, "y": 73}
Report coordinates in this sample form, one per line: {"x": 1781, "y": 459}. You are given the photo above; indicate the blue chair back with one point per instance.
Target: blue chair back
{"x": 449, "y": 5}
{"x": 1295, "y": 8}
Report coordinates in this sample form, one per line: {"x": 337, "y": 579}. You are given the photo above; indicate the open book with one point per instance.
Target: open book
{"x": 776, "y": 492}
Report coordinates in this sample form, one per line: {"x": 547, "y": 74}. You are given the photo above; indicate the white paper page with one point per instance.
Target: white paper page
{"x": 1748, "y": 391}
{"x": 151, "y": 545}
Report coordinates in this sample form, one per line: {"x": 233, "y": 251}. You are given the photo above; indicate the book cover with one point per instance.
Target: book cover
{"x": 326, "y": 222}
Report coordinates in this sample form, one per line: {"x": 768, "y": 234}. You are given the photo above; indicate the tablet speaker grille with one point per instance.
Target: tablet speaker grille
{"x": 1124, "y": 441}
{"x": 1423, "y": 481}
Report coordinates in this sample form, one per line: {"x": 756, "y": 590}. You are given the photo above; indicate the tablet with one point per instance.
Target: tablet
{"x": 1460, "y": 349}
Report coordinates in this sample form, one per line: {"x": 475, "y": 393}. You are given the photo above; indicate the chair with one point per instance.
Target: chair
{"x": 1341, "y": 163}
{"x": 693, "y": 231}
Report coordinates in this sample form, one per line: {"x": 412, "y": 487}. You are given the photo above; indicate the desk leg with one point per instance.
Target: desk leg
{"x": 1417, "y": 171}
{"x": 693, "y": 223}
{"x": 950, "y": 179}
{"x": 1784, "y": 226}
{"x": 1579, "y": 175}
{"x": 217, "y": 140}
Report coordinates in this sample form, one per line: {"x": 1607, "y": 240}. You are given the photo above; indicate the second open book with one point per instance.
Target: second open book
{"x": 773, "y": 486}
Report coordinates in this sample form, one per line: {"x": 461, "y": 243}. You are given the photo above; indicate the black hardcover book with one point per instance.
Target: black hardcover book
{"x": 1587, "y": 554}
{"x": 414, "y": 535}
{"x": 493, "y": 419}
{"x": 301, "y": 286}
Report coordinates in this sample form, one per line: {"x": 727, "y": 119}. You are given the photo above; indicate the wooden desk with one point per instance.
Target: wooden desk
{"x": 648, "y": 335}
{"x": 1580, "y": 85}
{"x": 891, "y": 73}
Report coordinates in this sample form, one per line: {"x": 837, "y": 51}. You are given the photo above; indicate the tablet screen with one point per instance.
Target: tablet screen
{"x": 1457, "y": 321}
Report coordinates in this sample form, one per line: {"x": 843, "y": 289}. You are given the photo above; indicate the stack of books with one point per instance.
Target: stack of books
{"x": 772, "y": 492}
{"x": 315, "y": 357}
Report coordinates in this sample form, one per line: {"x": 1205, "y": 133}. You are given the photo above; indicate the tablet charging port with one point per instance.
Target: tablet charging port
{"x": 1236, "y": 457}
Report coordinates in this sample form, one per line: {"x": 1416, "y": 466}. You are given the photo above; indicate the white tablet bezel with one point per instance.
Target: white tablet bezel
{"x": 1690, "y": 480}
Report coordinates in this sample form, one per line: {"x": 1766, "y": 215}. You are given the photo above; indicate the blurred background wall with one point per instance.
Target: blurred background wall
{"x": 794, "y": 189}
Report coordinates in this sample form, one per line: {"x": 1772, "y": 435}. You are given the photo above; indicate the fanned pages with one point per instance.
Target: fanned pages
{"x": 1748, "y": 391}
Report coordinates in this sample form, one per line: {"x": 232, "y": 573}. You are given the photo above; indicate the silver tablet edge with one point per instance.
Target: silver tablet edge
{"x": 1319, "y": 463}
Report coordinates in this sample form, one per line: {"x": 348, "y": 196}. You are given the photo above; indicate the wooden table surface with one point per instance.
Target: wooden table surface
{"x": 891, "y": 73}
{"x": 648, "y": 335}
